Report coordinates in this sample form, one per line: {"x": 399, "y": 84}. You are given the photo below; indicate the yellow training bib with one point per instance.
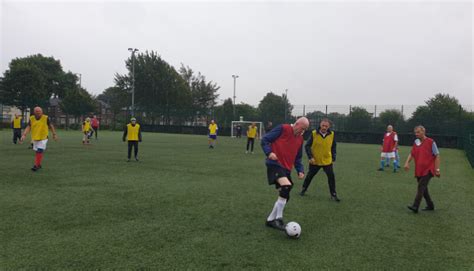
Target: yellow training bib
{"x": 252, "y": 132}
{"x": 17, "y": 123}
{"x": 39, "y": 128}
{"x": 321, "y": 148}
{"x": 132, "y": 132}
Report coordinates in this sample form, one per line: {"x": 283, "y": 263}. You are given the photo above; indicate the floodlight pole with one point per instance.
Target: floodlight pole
{"x": 235, "y": 78}
{"x": 285, "y": 102}
{"x": 133, "y": 50}
{"x": 80, "y": 79}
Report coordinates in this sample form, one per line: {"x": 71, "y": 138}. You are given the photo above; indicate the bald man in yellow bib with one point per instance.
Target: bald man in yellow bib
{"x": 39, "y": 125}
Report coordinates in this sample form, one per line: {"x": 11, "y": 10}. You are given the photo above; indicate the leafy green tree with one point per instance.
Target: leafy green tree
{"x": 117, "y": 98}
{"x": 224, "y": 113}
{"x": 359, "y": 120}
{"x": 442, "y": 114}
{"x": 247, "y": 111}
{"x": 392, "y": 117}
{"x": 31, "y": 81}
{"x": 77, "y": 102}
{"x": 273, "y": 107}
{"x": 203, "y": 93}
{"x": 160, "y": 91}
{"x": 24, "y": 86}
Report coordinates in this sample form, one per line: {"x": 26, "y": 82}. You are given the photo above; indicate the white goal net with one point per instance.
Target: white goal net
{"x": 239, "y": 128}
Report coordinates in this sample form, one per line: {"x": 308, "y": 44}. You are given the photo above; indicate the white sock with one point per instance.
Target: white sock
{"x": 273, "y": 214}
{"x": 280, "y": 203}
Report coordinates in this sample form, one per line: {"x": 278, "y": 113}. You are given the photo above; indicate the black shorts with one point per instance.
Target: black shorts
{"x": 275, "y": 172}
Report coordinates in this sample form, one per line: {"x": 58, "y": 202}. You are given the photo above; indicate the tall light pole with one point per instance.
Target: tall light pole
{"x": 285, "y": 102}
{"x": 133, "y": 50}
{"x": 235, "y": 79}
{"x": 80, "y": 79}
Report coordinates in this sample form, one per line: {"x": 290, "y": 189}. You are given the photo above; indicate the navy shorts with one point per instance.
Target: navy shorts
{"x": 213, "y": 137}
{"x": 275, "y": 172}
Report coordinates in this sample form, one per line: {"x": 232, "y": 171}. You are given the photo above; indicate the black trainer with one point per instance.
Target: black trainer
{"x": 413, "y": 209}
{"x": 335, "y": 198}
{"x": 428, "y": 208}
{"x": 302, "y": 192}
{"x": 280, "y": 224}
{"x": 276, "y": 224}
{"x": 136, "y": 159}
{"x": 35, "y": 168}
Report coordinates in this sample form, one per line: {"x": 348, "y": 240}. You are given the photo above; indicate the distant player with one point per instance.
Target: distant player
{"x": 389, "y": 146}
{"x": 95, "y": 126}
{"x": 283, "y": 147}
{"x": 38, "y": 125}
{"x": 427, "y": 160}
{"x": 16, "y": 126}
{"x": 133, "y": 134}
{"x": 212, "y": 129}
{"x": 251, "y": 135}
{"x": 86, "y": 131}
{"x": 238, "y": 131}
{"x": 321, "y": 151}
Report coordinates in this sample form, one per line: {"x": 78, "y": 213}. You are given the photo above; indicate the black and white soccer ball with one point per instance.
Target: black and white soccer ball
{"x": 293, "y": 230}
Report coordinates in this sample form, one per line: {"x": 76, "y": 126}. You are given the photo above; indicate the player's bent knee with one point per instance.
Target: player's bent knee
{"x": 285, "y": 191}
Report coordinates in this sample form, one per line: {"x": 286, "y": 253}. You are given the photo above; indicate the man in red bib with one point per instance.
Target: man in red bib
{"x": 283, "y": 147}
{"x": 426, "y": 156}
{"x": 388, "y": 149}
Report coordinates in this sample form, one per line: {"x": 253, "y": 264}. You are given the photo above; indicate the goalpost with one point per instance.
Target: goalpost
{"x": 244, "y": 127}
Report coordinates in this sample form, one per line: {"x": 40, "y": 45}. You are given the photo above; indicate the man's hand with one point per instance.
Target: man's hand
{"x": 22, "y": 139}
{"x": 55, "y": 137}
{"x": 300, "y": 175}
{"x": 437, "y": 173}
{"x": 406, "y": 167}
{"x": 272, "y": 156}
{"x": 312, "y": 161}
{"x": 381, "y": 149}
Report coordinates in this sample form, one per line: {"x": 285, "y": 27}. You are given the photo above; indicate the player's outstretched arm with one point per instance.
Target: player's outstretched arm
{"x": 298, "y": 163}
{"x": 125, "y": 131}
{"x": 407, "y": 163}
{"x": 437, "y": 163}
{"x": 333, "y": 149}
{"x": 53, "y": 130}
{"x": 307, "y": 147}
{"x": 25, "y": 133}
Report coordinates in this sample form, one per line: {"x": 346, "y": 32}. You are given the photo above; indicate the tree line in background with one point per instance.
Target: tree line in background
{"x": 166, "y": 96}
{"x": 441, "y": 114}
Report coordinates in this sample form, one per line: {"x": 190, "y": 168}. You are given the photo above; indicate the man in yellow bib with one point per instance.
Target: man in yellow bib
{"x": 16, "y": 126}
{"x": 87, "y": 131}
{"x": 38, "y": 125}
{"x": 212, "y": 134}
{"x": 321, "y": 151}
{"x": 251, "y": 135}
{"x": 133, "y": 134}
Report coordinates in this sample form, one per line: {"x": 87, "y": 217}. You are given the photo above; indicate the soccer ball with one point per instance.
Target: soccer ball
{"x": 293, "y": 230}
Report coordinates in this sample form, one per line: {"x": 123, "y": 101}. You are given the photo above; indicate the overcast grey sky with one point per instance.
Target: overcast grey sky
{"x": 322, "y": 52}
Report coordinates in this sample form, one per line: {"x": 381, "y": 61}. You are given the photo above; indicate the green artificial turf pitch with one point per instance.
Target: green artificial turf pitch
{"x": 184, "y": 206}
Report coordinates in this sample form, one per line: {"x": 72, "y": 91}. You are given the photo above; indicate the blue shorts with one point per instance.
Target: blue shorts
{"x": 213, "y": 137}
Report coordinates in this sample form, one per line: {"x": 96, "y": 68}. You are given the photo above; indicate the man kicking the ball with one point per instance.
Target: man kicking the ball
{"x": 283, "y": 147}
